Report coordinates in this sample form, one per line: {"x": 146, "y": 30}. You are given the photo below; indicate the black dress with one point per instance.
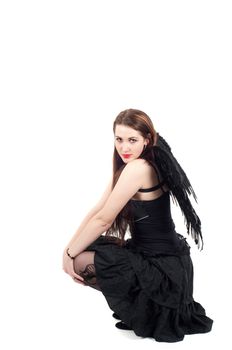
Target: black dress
{"x": 148, "y": 282}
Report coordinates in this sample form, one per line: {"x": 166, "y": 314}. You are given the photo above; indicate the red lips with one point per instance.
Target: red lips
{"x": 126, "y": 155}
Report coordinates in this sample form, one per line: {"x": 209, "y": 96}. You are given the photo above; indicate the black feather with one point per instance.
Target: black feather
{"x": 180, "y": 187}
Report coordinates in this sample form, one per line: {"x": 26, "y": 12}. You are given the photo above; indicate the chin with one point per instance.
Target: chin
{"x": 126, "y": 160}
{"x": 129, "y": 160}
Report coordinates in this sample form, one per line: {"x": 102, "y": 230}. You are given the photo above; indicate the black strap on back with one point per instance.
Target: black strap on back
{"x": 160, "y": 184}
{"x": 152, "y": 188}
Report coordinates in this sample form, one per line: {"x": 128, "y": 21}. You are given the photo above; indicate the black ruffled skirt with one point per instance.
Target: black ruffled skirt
{"x": 151, "y": 293}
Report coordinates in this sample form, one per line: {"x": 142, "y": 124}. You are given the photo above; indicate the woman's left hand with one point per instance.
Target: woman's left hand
{"x": 68, "y": 267}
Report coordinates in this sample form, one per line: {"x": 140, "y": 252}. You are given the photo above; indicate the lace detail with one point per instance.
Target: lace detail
{"x": 89, "y": 275}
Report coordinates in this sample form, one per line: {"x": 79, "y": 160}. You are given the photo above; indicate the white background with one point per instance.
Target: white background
{"x": 67, "y": 69}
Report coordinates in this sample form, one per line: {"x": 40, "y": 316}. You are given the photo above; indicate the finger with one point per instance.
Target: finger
{"x": 78, "y": 281}
{"x": 77, "y": 276}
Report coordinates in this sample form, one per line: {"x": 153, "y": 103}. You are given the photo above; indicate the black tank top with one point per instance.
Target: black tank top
{"x": 152, "y": 227}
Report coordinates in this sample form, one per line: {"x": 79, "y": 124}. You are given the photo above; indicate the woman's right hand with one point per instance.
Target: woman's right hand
{"x": 68, "y": 267}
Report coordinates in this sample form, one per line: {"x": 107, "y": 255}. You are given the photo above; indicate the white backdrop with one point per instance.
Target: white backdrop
{"x": 67, "y": 69}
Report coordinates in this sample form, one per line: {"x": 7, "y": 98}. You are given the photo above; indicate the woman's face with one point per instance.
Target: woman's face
{"x": 129, "y": 143}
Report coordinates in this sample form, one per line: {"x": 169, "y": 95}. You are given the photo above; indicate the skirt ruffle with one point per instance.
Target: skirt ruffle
{"x": 152, "y": 294}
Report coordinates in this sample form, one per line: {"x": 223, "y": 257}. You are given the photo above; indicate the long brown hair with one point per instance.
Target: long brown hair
{"x": 141, "y": 122}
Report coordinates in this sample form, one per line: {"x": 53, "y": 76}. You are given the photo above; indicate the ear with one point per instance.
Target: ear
{"x": 148, "y": 140}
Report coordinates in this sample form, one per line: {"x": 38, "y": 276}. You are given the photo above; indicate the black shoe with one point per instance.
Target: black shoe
{"x": 122, "y": 325}
{"x": 116, "y": 316}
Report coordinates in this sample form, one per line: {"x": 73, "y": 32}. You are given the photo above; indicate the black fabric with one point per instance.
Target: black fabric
{"x": 152, "y": 188}
{"x": 148, "y": 282}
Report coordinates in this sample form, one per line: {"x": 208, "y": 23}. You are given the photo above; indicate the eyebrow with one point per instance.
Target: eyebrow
{"x": 131, "y": 137}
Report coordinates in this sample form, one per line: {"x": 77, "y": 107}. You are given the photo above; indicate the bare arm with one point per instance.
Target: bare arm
{"x": 92, "y": 213}
{"x": 128, "y": 184}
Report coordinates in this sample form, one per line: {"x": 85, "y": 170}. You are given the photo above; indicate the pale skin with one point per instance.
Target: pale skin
{"x": 135, "y": 175}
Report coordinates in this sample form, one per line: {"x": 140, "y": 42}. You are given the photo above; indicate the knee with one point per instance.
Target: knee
{"x": 82, "y": 260}
{"x": 78, "y": 263}
{"x": 84, "y": 266}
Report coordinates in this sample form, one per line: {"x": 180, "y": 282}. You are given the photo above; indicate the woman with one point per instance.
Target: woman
{"x": 147, "y": 279}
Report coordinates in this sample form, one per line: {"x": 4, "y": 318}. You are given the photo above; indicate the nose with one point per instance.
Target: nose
{"x": 125, "y": 149}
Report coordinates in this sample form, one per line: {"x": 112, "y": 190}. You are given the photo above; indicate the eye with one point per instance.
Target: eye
{"x": 131, "y": 140}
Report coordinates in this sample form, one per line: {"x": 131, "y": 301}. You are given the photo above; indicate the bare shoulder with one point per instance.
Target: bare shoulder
{"x": 138, "y": 164}
{"x": 141, "y": 167}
